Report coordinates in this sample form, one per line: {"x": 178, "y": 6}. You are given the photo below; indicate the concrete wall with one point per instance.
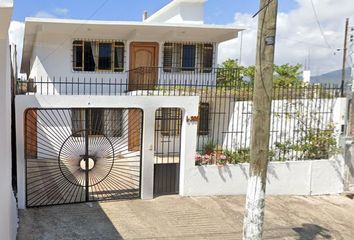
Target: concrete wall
{"x": 149, "y": 105}
{"x": 180, "y": 11}
{"x": 8, "y": 211}
{"x": 284, "y": 178}
{"x": 52, "y": 60}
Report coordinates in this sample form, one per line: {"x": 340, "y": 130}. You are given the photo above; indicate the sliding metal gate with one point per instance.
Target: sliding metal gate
{"x": 82, "y": 155}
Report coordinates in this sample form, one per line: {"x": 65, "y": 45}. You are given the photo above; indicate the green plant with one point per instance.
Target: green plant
{"x": 209, "y": 148}
{"x": 315, "y": 144}
{"x": 238, "y": 156}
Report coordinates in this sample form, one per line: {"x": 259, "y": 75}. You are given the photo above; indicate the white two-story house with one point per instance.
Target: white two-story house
{"x": 171, "y": 49}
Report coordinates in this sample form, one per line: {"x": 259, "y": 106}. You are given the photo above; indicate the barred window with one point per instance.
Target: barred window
{"x": 118, "y": 57}
{"x": 107, "y": 122}
{"x": 188, "y": 57}
{"x": 105, "y": 56}
{"x": 208, "y": 51}
{"x": 170, "y": 121}
{"x": 78, "y": 56}
{"x": 203, "y": 125}
{"x": 90, "y": 56}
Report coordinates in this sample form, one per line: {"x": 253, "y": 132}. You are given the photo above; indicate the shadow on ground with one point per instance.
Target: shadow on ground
{"x": 312, "y": 231}
{"x": 77, "y": 221}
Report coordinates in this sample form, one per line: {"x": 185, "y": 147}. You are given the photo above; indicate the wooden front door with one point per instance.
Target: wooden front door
{"x": 144, "y": 59}
{"x": 31, "y": 133}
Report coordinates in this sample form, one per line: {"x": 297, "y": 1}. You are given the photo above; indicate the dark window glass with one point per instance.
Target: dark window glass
{"x": 77, "y": 55}
{"x": 203, "y": 126}
{"x": 207, "y": 58}
{"x": 119, "y": 57}
{"x": 167, "y": 57}
{"x": 89, "y": 60}
{"x": 188, "y": 58}
{"x": 96, "y": 121}
{"x": 105, "y": 56}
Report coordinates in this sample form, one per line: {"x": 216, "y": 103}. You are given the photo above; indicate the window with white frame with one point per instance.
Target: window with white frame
{"x": 188, "y": 57}
{"x": 94, "y": 56}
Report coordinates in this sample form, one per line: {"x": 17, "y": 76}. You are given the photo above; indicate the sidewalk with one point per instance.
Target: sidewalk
{"x": 172, "y": 217}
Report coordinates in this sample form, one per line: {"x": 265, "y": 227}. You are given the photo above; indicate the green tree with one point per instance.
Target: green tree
{"x": 287, "y": 75}
{"x": 232, "y": 73}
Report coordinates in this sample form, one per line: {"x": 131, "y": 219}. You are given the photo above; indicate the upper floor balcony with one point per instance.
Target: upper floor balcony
{"x": 139, "y": 81}
{"x": 160, "y": 81}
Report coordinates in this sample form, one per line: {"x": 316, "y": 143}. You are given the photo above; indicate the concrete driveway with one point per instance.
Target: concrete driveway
{"x": 173, "y": 217}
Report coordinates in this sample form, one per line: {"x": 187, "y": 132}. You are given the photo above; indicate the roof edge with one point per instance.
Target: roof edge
{"x": 169, "y": 6}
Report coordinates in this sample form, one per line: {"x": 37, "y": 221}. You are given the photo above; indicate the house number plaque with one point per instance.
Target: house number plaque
{"x": 191, "y": 119}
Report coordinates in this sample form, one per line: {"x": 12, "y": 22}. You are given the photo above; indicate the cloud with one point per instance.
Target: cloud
{"x": 55, "y": 13}
{"x": 44, "y": 14}
{"x": 16, "y": 32}
{"x": 61, "y": 11}
{"x": 299, "y": 39}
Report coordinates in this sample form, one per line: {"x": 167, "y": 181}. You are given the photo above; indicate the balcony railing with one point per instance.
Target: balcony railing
{"x": 144, "y": 80}
{"x": 158, "y": 81}
{"x": 300, "y": 114}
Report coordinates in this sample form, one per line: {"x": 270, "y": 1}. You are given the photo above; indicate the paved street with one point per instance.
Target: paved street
{"x": 172, "y": 217}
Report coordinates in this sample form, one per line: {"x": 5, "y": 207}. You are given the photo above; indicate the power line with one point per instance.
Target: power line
{"x": 319, "y": 25}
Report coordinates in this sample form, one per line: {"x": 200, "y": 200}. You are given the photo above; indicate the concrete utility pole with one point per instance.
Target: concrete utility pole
{"x": 344, "y": 55}
{"x": 351, "y": 53}
{"x": 262, "y": 101}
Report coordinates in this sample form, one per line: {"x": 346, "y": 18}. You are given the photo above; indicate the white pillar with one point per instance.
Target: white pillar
{"x": 20, "y": 148}
{"x": 147, "y": 167}
{"x": 188, "y": 146}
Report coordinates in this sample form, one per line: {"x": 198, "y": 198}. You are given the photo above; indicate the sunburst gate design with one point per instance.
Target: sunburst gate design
{"x": 80, "y": 155}
{"x": 72, "y": 159}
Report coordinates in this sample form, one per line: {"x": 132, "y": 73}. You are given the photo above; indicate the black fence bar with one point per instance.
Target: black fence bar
{"x": 302, "y": 114}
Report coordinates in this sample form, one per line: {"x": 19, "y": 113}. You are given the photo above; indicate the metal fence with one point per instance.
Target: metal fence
{"x": 302, "y": 114}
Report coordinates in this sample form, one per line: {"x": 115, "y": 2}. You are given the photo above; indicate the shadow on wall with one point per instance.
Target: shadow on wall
{"x": 77, "y": 221}
{"x": 312, "y": 231}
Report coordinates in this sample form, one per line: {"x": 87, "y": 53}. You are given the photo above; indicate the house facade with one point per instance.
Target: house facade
{"x": 113, "y": 60}
{"x": 121, "y": 110}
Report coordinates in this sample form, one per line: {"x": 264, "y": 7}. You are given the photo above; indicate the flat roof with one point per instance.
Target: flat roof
{"x": 123, "y": 30}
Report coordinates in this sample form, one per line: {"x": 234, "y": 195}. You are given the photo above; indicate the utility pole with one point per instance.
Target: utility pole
{"x": 344, "y": 55}
{"x": 262, "y": 102}
{"x": 351, "y": 53}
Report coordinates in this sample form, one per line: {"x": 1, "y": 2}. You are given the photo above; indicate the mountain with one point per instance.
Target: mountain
{"x": 331, "y": 78}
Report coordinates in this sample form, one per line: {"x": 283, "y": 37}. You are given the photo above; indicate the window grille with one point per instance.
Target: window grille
{"x": 90, "y": 56}
{"x": 170, "y": 121}
{"x": 203, "y": 126}
{"x": 188, "y": 57}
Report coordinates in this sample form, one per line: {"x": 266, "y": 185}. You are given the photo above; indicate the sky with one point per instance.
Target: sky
{"x": 316, "y": 43}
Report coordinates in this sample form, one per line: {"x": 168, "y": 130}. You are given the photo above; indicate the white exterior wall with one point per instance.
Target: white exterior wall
{"x": 284, "y": 178}
{"x": 149, "y": 105}
{"x": 8, "y": 211}
{"x": 232, "y": 128}
{"x": 52, "y": 61}
{"x": 180, "y": 11}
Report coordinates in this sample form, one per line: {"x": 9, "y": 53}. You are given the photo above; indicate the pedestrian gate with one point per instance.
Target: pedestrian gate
{"x": 168, "y": 123}
{"x": 82, "y": 155}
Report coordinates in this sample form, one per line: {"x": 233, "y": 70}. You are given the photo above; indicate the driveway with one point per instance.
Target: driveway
{"x": 173, "y": 217}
